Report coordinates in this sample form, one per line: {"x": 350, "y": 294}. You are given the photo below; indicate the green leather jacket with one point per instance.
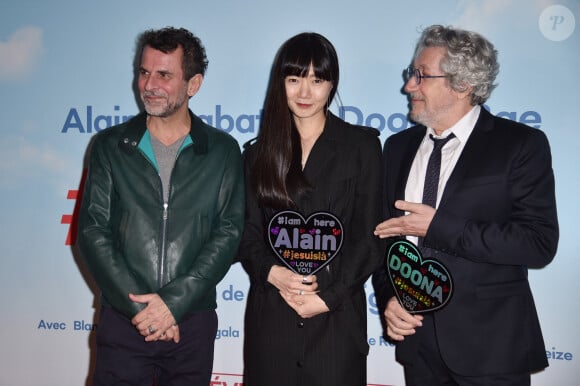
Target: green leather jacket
{"x": 134, "y": 243}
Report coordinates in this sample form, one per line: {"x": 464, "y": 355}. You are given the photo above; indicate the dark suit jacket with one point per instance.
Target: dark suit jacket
{"x": 496, "y": 218}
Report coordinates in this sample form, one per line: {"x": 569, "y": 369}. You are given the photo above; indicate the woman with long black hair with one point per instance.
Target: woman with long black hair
{"x": 309, "y": 329}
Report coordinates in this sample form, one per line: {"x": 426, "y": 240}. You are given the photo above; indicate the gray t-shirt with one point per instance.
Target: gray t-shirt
{"x": 166, "y": 156}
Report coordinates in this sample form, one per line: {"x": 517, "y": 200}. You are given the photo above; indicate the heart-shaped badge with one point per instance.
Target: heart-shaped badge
{"x": 420, "y": 285}
{"x": 305, "y": 245}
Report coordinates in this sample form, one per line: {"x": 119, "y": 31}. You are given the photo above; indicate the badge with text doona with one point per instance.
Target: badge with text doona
{"x": 421, "y": 285}
{"x": 305, "y": 245}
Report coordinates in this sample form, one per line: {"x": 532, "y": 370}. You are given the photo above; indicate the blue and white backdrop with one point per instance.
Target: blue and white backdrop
{"x": 65, "y": 74}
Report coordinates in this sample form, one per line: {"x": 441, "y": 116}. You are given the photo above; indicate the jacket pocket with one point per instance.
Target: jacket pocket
{"x": 203, "y": 226}
{"x": 199, "y": 227}
{"x": 502, "y": 290}
{"x": 483, "y": 180}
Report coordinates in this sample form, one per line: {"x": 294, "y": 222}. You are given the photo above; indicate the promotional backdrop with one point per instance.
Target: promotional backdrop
{"x": 66, "y": 73}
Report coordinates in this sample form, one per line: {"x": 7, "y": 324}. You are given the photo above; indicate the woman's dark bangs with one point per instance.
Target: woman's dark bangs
{"x": 296, "y": 69}
{"x": 301, "y": 65}
{"x": 321, "y": 67}
{"x": 298, "y": 65}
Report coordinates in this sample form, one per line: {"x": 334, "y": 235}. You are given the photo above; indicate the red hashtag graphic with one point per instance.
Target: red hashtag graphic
{"x": 71, "y": 219}
{"x": 68, "y": 218}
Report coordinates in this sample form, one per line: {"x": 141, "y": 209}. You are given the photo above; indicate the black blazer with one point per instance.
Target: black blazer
{"x": 496, "y": 218}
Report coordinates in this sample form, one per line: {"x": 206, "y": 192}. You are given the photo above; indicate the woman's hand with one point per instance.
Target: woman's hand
{"x": 306, "y": 305}
{"x": 289, "y": 282}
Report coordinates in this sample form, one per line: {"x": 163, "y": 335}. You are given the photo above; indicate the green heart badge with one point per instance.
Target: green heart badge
{"x": 305, "y": 245}
{"x": 421, "y": 285}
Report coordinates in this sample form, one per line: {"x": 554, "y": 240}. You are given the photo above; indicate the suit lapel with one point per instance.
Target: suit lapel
{"x": 474, "y": 152}
{"x": 323, "y": 150}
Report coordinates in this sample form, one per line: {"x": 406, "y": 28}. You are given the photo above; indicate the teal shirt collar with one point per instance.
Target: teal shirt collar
{"x": 147, "y": 148}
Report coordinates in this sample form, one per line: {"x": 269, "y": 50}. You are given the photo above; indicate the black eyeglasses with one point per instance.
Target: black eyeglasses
{"x": 411, "y": 72}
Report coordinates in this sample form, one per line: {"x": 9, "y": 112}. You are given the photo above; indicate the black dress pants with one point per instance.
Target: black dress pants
{"x": 124, "y": 358}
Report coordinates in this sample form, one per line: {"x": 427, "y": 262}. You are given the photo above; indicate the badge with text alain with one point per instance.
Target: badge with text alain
{"x": 305, "y": 245}
{"x": 421, "y": 285}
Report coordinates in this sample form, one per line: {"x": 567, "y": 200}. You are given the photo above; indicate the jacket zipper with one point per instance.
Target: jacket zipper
{"x": 165, "y": 215}
{"x": 164, "y": 223}
{"x": 163, "y": 246}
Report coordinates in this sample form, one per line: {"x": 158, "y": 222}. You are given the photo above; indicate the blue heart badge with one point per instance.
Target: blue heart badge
{"x": 305, "y": 245}
{"x": 421, "y": 285}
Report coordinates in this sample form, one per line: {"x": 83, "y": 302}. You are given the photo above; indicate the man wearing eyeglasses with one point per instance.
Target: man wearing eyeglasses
{"x": 491, "y": 216}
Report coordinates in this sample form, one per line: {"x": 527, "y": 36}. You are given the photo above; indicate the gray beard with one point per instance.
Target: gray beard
{"x": 164, "y": 112}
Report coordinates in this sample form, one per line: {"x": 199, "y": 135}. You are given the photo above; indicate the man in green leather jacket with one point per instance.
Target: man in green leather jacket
{"x": 160, "y": 223}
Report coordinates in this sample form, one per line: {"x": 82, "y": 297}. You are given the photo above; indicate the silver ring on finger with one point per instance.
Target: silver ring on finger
{"x": 300, "y": 292}
{"x": 151, "y": 330}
